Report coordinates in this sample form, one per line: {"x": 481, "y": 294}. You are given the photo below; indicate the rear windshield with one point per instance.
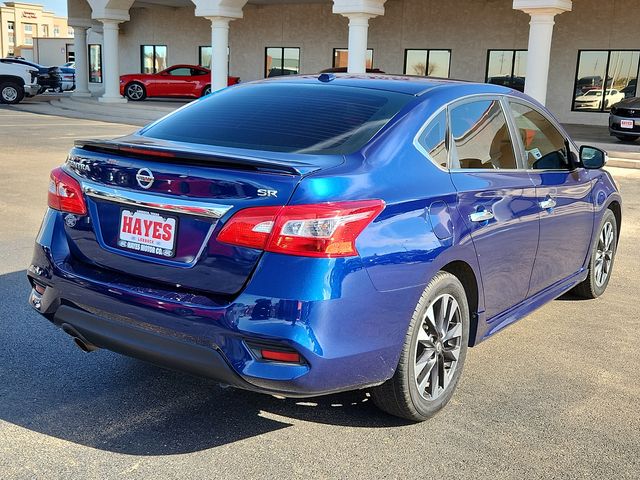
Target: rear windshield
{"x": 284, "y": 117}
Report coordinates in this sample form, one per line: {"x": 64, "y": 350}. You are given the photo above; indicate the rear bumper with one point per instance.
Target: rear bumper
{"x": 146, "y": 345}
{"x": 615, "y": 128}
{"x": 348, "y": 333}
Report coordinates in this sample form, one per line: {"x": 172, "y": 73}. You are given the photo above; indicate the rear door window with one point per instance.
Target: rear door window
{"x": 480, "y": 137}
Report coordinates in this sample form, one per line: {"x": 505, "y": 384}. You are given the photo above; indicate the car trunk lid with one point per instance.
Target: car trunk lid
{"x": 155, "y": 207}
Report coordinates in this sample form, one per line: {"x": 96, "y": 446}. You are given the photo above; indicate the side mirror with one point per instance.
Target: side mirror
{"x": 592, "y": 158}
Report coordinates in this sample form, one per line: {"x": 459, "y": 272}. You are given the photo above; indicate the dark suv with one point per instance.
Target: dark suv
{"x": 624, "y": 120}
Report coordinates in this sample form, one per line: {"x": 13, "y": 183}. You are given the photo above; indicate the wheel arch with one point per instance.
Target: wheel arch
{"x": 135, "y": 80}
{"x": 463, "y": 272}
{"x": 12, "y": 78}
{"x": 616, "y": 208}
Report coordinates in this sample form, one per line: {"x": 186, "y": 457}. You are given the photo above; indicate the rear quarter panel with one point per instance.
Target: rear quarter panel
{"x": 420, "y": 230}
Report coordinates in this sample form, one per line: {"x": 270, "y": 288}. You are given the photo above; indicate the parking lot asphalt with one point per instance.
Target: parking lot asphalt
{"x": 554, "y": 396}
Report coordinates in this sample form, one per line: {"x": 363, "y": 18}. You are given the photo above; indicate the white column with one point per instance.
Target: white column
{"x": 220, "y": 13}
{"x": 358, "y": 32}
{"x": 542, "y": 14}
{"x": 219, "y": 52}
{"x": 82, "y": 64}
{"x": 358, "y": 12}
{"x": 110, "y": 62}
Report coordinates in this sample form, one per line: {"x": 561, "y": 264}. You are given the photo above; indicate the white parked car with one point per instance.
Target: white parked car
{"x": 17, "y": 81}
{"x": 592, "y": 99}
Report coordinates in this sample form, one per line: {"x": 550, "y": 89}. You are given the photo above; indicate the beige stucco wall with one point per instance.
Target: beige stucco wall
{"x": 52, "y": 51}
{"x": 468, "y": 27}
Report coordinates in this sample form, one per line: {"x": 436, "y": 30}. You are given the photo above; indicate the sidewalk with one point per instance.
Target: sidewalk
{"x": 88, "y": 108}
{"x": 626, "y": 155}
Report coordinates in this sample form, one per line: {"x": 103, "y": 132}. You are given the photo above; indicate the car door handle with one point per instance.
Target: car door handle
{"x": 481, "y": 216}
{"x": 547, "y": 203}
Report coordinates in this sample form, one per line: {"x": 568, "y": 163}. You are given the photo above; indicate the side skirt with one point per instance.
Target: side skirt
{"x": 528, "y": 305}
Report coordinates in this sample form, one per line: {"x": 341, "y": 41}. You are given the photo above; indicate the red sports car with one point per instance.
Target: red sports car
{"x": 176, "y": 81}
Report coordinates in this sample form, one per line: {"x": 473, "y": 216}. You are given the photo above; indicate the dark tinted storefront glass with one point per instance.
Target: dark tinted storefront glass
{"x": 592, "y": 93}
{"x": 507, "y": 68}
{"x": 432, "y": 63}
{"x": 341, "y": 58}
{"x": 153, "y": 58}
{"x": 95, "y": 63}
{"x": 282, "y": 61}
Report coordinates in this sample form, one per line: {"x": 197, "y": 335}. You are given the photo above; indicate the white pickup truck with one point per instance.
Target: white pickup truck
{"x": 17, "y": 81}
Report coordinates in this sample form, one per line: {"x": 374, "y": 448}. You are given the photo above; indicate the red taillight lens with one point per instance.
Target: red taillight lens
{"x": 318, "y": 230}
{"x": 250, "y": 227}
{"x": 65, "y": 193}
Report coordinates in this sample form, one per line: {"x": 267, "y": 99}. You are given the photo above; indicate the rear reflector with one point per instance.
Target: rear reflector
{"x": 280, "y": 356}
{"x": 65, "y": 193}
{"x": 318, "y": 230}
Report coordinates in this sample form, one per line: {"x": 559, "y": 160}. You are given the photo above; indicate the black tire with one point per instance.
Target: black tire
{"x": 206, "y": 90}
{"x": 400, "y": 395}
{"x": 135, "y": 91}
{"x": 594, "y": 286}
{"x": 626, "y": 138}
{"x": 11, "y": 93}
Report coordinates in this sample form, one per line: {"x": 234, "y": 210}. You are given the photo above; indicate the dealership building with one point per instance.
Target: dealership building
{"x": 578, "y": 57}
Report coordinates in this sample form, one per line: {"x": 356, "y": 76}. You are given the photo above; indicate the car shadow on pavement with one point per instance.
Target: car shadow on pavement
{"x": 111, "y": 402}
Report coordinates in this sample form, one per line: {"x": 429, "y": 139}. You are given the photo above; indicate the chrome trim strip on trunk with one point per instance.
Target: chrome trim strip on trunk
{"x": 155, "y": 201}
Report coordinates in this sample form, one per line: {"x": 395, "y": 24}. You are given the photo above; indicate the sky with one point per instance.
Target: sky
{"x": 58, "y": 6}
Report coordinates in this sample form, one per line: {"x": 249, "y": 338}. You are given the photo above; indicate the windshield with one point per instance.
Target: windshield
{"x": 284, "y": 117}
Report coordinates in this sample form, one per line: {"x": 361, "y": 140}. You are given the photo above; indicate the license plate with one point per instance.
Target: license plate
{"x": 147, "y": 232}
{"x": 627, "y": 124}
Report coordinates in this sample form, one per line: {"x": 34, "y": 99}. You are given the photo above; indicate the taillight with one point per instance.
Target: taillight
{"x": 65, "y": 193}
{"x": 317, "y": 230}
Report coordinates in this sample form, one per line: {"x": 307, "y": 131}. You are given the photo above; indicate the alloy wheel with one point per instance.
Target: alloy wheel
{"x": 135, "y": 91}
{"x": 9, "y": 94}
{"x": 604, "y": 254}
{"x": 207, "y": 91}
{"x": 438, "y": 347}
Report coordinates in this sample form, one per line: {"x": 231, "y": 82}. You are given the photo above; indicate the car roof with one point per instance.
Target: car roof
{"x": 185, "y": 65}
{"x": 407, "y": 84}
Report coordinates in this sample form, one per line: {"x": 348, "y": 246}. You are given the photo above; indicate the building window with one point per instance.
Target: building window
{"x": 11, "y": 27}
{"x": 341, "y": 58}
{"x": 95, "y": 63}
{"x": 204, "y": 57}
{"x": 427, "y": 63}
{"x": 281, "y": 61}
{"x": 70, "y": 31}
{"x": 592, "y": 93}
{"x": 56, "y": 31}
{"x": 29, "y": 30}
{"x": 45, "y": 30}
{"x": 153, "y": 58}
{"x": 507, "y": 68}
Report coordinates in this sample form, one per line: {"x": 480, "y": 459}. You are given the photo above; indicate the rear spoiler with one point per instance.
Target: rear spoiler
{"x": 161, "y": 151}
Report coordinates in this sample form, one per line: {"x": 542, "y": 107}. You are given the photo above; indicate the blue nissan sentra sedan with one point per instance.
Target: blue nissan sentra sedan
{"x": 307, "y": 235}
